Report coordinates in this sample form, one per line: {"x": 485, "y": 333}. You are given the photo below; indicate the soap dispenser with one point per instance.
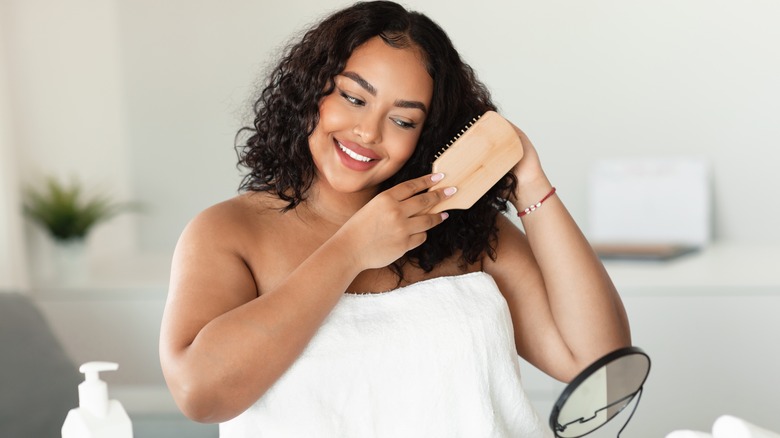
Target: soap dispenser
{"x": 97, "y": 416}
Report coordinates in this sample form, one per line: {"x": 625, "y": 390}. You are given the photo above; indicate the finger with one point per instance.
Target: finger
{"x": 424, "y": 222}
{"x": 416, "y": 240}
{"x": 407, "y": 189}
{"x": 426, "y": 201}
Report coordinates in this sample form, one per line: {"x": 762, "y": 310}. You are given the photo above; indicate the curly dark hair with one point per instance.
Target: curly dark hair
{"x": 276, "y": 153}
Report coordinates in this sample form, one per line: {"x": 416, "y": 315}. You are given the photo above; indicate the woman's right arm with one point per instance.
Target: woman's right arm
{"x": 222, "y": 346}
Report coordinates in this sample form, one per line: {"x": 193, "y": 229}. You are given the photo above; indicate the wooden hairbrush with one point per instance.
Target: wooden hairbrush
{"x": 480, "y": 155}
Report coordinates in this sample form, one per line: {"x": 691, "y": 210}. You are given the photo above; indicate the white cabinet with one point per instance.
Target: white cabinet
{"x": 709, "y": 323}
{"x": 115, "y": 316}
{"x": 713, "y": 352}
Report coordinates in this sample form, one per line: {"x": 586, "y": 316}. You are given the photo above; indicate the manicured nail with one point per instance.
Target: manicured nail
{"x": 437, "y": 177}
{"x": 444, "y": 215}
{"x": 449, "y": 191}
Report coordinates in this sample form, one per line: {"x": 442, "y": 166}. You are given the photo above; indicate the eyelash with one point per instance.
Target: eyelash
{"x": 353, "y": 100}
{"x": 405, "y": 125}
{"x": 357, "y": 102}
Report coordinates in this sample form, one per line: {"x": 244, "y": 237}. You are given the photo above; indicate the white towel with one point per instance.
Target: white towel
{"x": 728, "y": 426}
{"x": 433, "y": 359}
{"x": 688, "y": 434}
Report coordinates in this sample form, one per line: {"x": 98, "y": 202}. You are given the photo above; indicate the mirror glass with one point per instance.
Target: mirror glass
{"x": 600, "y": 392}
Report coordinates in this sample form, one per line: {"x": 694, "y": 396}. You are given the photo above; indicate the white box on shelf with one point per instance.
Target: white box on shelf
{"x": 656, "y": 202}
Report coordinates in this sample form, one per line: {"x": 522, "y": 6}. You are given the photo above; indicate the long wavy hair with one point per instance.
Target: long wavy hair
{"x": 276, "y": 152}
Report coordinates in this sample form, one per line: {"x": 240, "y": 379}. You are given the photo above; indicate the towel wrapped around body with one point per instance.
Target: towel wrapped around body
{"x": 433, "y": 359}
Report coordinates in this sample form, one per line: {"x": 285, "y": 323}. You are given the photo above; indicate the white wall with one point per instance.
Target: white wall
{"x": 190, "y": 71}
{"x": 144, "y": 97}
{"x": 605, "y": 78}
{"x": 13, "y": 269}
{"x": 586, "y": 79}
{"x": 66, "y": 106}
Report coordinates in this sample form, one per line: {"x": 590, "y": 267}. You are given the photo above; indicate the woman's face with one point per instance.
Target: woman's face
{"x": 369, "y": 126}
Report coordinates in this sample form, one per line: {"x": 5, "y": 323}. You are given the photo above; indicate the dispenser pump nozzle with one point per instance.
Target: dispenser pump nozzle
{"x": 93, "y": 392}
{"x": 91, "y": 369}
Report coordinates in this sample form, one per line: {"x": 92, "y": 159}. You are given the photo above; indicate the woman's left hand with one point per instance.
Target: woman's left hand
{"x": 530, "y": 175}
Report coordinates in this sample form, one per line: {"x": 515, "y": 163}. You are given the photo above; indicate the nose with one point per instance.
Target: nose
{"x": 369, "y": 128}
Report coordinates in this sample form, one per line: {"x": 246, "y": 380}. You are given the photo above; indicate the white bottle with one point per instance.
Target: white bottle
{"x": 97, "y": 416}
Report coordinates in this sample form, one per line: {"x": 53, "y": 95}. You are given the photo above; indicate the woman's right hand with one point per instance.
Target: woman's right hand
{"x": 393, "y": 222}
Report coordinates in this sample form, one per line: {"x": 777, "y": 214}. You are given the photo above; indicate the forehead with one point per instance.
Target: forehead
{"x": 400, "y": 71}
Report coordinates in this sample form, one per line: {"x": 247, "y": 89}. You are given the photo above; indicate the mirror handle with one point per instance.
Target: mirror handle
{"x": 636, "y": 403}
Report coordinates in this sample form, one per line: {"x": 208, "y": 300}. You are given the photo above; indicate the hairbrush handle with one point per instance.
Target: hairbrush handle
{"x": 477, "y": 160}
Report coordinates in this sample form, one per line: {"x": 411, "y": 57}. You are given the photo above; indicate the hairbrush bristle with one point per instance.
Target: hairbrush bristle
{"x": 457, "y": 136}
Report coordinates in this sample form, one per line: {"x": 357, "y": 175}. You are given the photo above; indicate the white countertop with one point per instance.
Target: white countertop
{"x": 719, "y": 266}
{"x": 134, "y": 276}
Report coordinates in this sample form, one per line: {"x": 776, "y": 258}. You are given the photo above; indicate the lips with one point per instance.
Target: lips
{"x": 355, "y": 156}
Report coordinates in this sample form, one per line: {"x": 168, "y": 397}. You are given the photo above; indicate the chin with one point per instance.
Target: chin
{"x": 352, "y": 187}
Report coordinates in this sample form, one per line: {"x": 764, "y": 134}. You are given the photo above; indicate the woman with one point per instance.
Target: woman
{"x": 324, "y": 302}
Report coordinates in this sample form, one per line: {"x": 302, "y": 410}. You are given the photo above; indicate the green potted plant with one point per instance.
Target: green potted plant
{"x": 65, "y": 211}
{"x": 68, "y": 214}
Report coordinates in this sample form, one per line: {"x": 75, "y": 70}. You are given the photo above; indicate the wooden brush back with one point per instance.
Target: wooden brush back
{"x": 478, "y": 159}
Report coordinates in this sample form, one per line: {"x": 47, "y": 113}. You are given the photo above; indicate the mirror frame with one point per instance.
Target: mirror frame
{"x": 589, "y": 371}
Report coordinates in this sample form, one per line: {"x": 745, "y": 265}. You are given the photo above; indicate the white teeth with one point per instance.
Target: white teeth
{"x": 354, "y": 154}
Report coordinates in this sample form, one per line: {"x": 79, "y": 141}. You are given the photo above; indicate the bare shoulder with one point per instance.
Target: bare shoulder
{"x": 215, "y": 247}
{"x": 228, "y": 222}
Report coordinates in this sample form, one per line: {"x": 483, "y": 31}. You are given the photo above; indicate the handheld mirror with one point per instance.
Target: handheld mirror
{"x": 600, "y": 392}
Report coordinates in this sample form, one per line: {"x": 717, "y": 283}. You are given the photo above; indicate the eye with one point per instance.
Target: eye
{"x": 351, "y": 99}
{"x": 403, "y": 124}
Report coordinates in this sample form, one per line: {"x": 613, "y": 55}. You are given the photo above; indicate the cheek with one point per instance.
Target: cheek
{"x": 402, "y": 149}
{"x": 332, "y": 115}
{"x": 407, "y": 145}
{"x": 328, "y": 121}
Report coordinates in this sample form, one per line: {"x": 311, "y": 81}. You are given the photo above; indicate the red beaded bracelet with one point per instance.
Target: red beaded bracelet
{"x": 537, "y": 205}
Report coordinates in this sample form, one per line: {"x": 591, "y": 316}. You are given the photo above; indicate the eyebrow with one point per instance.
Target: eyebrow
{"x": 401, "y": 103}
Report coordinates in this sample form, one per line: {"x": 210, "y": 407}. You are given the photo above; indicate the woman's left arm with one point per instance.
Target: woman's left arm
{"x": 565, "y": 309}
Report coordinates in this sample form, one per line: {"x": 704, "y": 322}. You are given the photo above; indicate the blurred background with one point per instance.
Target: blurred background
{"x": 141, "y": 99}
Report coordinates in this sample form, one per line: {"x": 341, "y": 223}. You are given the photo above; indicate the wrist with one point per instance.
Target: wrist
{"x": 530, "y": 192}
{"x": 533, "y": 207}
{"x": 340, "y": 248}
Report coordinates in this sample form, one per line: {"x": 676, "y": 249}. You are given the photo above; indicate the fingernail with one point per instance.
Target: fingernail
{"x": 437, "y": 177}
{"x": 449, "y": 191}
{"x": 444, "y": 215}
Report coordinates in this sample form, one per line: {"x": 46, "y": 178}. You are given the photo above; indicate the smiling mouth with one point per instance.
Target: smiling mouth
{"x": 352, "y": 154}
